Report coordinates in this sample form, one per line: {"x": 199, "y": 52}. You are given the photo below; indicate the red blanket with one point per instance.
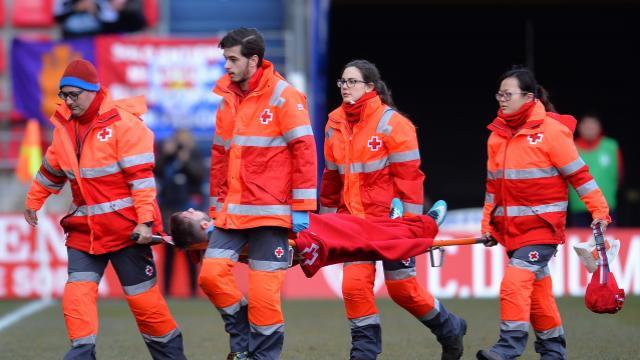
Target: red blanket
{"x": 338, "y": 238}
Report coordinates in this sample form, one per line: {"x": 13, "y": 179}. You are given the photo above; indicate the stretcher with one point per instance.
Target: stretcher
{"x": 438, "y": 245}
{"x": 339, "y": 238}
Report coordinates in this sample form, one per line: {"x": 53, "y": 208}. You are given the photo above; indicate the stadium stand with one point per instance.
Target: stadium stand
{"x": 32, "y": 13}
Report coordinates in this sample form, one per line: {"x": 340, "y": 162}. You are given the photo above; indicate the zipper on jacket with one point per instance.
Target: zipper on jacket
{"x": 79, "y": 146}
{"x": 503, "y": 186}
{"x": 351, "y": 131}
{"x": 502, "y": 190}
{"x": 346, "y": 135}
{"x": 79, "y": 142}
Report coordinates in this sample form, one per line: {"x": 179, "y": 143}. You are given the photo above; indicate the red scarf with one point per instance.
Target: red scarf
{"x": 354, "y": 110}
{"x": 92, "y": 111}
{"x": 79, "y": 126}
{"x": 517, "y": 119}
{"x": 253, "y": 83}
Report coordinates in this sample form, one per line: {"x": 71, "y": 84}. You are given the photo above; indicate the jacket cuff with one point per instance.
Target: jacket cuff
{"x": 304, "y": 205}
{"x": 145, "y": 217}
{"x": 486, "y": 228}
{"x": 32, "y": 204}
{"x": 603, "y": 216}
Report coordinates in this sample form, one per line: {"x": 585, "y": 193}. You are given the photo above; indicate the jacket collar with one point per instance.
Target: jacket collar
{"x": 338, "y": 117}
{"x": 268, "y": 79}
{"x": 531, "y": 126}
{"x": 108, "y": 113}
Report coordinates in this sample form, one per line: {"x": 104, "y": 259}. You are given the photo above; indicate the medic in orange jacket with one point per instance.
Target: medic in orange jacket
{"x": 527, "y": 175}
{"x": 368, "y": 165}
{"x": 275, "y": 129}
{"x": 112, "y": 182}
{"x": 531, "y": 158}
{"x": 263, "y": 177}
{"x": 106, "y": 153}
{"x": 371, "y": 156}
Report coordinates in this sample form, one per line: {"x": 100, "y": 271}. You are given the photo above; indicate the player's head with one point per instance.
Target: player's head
{"x": 189, "y": 228}
{"x": 243, "y": 50}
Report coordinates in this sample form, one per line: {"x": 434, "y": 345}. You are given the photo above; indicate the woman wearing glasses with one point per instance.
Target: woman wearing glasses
{"x": 371, "y": 156}
{"x": 531, "y": 157}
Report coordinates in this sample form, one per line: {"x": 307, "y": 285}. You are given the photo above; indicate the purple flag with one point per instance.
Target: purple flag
{"x": 36, "y": 68}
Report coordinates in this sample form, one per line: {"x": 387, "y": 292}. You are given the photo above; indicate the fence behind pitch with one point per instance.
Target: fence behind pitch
{"x": 33, "y": 263}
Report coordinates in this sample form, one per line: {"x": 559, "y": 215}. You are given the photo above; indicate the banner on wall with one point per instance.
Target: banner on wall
{"x": 176, "y": 76}
{"x": 33, "y": 263}
{"x": 36, "y": 69}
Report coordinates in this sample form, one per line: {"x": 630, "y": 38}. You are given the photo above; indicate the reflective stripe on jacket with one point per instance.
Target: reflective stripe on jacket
{"x": 371, "y": 164}
{"x": 263, "y": 157}
{"x": 527, "y": 175}
{"x": 112, "y": 181}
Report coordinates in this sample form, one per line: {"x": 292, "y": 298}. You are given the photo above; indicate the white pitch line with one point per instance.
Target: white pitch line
{"x": 23, "y": 312}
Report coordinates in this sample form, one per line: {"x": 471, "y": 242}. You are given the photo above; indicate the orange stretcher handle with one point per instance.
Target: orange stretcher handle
{"x": 460, "y": 241}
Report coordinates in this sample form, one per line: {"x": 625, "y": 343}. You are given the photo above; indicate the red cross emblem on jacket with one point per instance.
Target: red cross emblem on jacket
{"x": 266, "y": 116}
{"x": 279, "y": 252}
{"x": 374, "y": 143}
{"x": 533, "y": 256}
{"x": 105, "y": 134}
{"x": 534, "y": 138}
{"x": 310, "y": 254}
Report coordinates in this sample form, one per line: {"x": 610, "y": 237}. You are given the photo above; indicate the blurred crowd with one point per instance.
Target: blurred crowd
{"x": 90, "y": 17}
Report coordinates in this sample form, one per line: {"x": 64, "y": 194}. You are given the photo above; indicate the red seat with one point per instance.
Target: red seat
{"x": 151, "y": 12}
{"x": 3, "y": 61}
{"x": 32, "y": 13}
{"x": 1, "y": 13}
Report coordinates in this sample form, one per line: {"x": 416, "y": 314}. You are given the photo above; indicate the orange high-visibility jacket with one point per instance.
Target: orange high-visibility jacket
{"x": 111, "y": 181}
{"x": 365, "y": 168}
{"x": 263, "y": 157}
{"x": 527, "y": 175}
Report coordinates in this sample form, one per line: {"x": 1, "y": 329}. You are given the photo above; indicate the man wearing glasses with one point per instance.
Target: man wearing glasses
{"x": 105, "y": 152}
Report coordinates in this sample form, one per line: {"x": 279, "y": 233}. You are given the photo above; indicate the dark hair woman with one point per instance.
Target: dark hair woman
{"x": 531, "y": 157}
{"x": 372, "y": 156}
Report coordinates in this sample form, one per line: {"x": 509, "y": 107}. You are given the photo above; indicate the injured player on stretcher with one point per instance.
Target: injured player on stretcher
{"x": 330, "y": 238}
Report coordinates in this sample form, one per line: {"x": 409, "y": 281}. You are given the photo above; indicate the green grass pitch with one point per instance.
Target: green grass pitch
{"x": 318, "y": 330}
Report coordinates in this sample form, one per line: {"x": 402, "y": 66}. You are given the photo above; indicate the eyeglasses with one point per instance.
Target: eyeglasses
{"x": 507, "y": 95}
{"x": 350, "y": 82}
{"x": 73, "y": 95}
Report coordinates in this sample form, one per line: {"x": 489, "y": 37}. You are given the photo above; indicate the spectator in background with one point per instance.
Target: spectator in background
{"x": 130, "y": 17}
{"x": 604, "y": 158}
{"x": 91, "y": 17}
{"x": 179, "y": 171}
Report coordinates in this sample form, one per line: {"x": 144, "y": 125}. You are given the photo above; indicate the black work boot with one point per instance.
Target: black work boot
{"x": 453, "y": 347}
{"x": 488, "y": 355}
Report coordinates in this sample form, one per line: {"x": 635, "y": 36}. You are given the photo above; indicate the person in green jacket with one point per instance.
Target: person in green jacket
{"x": 604, "y": 158}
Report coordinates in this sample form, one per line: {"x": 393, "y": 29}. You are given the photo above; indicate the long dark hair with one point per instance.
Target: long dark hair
{"x": 528, "y": 83}
{"x": 370, "y": 74}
